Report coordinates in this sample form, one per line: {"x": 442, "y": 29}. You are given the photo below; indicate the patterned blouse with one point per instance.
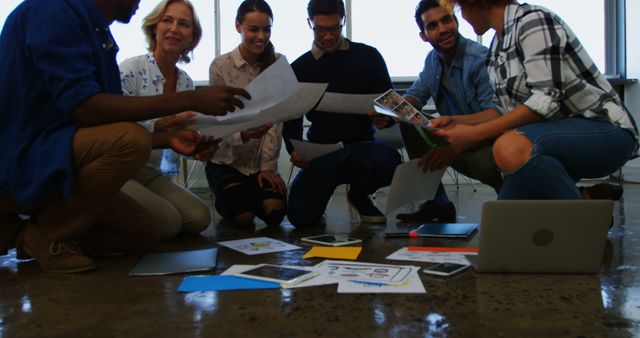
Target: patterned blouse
{"x": 257, "y": 154}
{"x": 141, "y": 76}
{"x": 541, "y": 64}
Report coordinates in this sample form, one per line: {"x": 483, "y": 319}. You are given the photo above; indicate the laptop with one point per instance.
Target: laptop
{"x": 166, "y": 263}
{"x": 543, "y": 236}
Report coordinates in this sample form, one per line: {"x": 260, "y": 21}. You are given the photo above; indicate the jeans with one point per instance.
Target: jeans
{"x": 565, "y": 151}
{"x": 366, "y": 167}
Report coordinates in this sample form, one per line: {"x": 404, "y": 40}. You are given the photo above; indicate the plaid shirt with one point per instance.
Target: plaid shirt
{"x": 540, "y": 63}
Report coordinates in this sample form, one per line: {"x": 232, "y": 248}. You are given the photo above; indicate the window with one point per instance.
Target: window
{"x": 7, "y": 7}
{"x": 290, "y": 33}
{"x": 394, "y": 32}
{"x": 388, "y": 26}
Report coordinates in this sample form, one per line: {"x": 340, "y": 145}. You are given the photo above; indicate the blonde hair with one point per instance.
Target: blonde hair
{"x": 151, "y": 21}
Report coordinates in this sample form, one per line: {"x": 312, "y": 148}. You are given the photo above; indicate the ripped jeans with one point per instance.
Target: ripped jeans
{"x": 565, "y": 151}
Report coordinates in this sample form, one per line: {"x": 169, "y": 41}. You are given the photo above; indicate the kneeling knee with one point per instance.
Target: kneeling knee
{"x": 512, "y": 151}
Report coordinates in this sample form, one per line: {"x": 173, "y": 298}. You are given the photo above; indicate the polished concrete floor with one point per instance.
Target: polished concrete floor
{"x": 107, "y": 303}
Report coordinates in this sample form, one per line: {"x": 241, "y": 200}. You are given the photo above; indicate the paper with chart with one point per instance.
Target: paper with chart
{"x": 293, "y": 107}
{"x": 410, "y": 184}
{"x": 365, "y": 272}
{"x": 310, "y": 151}
{"x": 393, "y": 104}
{"x": 412, "y": 284}
{"x": 258, "y": 245}
{"x": 347, "y": 103}
{"x": 405, "y": 254}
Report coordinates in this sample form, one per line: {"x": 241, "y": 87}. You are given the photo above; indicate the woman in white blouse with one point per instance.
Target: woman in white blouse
{"x": 172, "y": 30}
{"x": 243, "y": 172}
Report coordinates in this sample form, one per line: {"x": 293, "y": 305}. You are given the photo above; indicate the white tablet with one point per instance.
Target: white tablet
{"x": 276, "y": 273}
{"x": 331, "y": 240}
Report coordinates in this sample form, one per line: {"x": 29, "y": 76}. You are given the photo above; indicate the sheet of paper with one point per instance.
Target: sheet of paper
{"x": 365, "y": 272}
{"x": 274, "y": 85}
{"x": 342, "y": 252}
{"x": 347, "y": 103}
{"x": 429, "y": 256}
{"x": 410, "y": 184}
{"x": 315, "y": 281}
{"x": 393, "y": 104}
{"x": 413, "y": 284}
{"x": 310, "y": 151}
{"x": 294, "y": 107}
{"x": 258, "y": 245}
{"x": 223, "y": 283}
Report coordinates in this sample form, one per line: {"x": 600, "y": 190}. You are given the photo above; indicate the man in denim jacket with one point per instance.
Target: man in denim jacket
{"x": 455, "y": 76}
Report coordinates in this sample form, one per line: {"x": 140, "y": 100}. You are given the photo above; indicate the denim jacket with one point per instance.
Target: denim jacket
{"x": 469, "y": 78}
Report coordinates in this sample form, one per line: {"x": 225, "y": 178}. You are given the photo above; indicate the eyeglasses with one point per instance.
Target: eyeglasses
{"x": 321, "y": 31}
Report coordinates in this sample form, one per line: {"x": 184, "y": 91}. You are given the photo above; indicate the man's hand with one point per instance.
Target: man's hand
{"x": 381, "y": 121}
{"x": 218, "y": 100}
{"x": 174, "y": 122}
{"x": 273, "y": 178}
{"x": 256, "y": 132}
{"x": 190, "y": 143}
{"x": 437, "y": 158}
{"x": 443, "y": 122}
{"x": 298, "y": 161}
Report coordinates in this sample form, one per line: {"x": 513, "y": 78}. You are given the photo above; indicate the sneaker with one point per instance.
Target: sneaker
{"x": 54, "y": 256}
{"x": 602, "y": 191}
{"x": 431, "y": 212}
{"x": 365, "y": 207}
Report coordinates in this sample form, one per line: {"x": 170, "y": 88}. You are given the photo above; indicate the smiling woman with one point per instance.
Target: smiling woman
{"x": 172, "y": 30}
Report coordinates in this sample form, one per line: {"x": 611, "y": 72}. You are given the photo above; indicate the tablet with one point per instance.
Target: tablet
{"x": 331, "y": 240}
{"x": 276, "y": 273}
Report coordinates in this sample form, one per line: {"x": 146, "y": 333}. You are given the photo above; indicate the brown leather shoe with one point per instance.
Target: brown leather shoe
{"x": 54, "y": 256}
{"x": 9, "y": 230}
{"x": 430, "y": 212}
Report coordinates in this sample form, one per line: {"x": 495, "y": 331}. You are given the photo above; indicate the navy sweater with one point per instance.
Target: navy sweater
{"x": 358, "y": 70}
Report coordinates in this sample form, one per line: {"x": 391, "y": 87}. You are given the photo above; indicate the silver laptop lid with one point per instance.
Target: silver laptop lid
{"x": 543, "y": 236}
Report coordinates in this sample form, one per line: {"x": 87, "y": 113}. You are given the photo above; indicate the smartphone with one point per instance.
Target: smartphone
{"x": 331, "y": 240}
{"x": 445, "y": 269}
{"x": 276, "y": 273}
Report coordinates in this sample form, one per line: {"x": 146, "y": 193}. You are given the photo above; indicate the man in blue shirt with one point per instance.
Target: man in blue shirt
{"x": 455, "y": 76}
{"x": 364, "y": 164}
{"x": 66, "y": 147}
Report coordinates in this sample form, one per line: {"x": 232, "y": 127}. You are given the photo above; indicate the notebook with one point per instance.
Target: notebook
{"x": 462, "y": 230}
{"x": 175, "y": 262}
{"x": 543, "y": 236}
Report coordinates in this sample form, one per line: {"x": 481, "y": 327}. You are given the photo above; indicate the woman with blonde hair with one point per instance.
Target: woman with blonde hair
{"x": 172, "y": 30}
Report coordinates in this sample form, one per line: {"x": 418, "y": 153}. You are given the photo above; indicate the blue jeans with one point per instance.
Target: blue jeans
{"x": 565, "y": 151}
{"x": 366, "y": 167}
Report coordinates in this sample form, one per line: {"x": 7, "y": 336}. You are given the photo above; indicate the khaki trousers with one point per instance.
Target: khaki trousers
{"x": 476, "y": 163}
{"x": 104, "y": 158}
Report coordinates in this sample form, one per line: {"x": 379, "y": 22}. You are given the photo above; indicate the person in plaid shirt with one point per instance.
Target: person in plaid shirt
{"x": 560, "y": 121}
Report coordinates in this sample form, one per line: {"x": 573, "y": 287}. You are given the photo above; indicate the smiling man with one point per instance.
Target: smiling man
{"x": 68, "y": 141}
{"x": 455, "y": 77}
{"x": 364, "y": 164}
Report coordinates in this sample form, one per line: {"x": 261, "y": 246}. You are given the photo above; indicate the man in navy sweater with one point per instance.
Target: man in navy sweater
{"x": 364, "y": 164}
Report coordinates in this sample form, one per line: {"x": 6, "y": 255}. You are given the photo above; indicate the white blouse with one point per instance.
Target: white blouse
{"x": 140, "y": 76}
{"x": 256, "y": 155}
